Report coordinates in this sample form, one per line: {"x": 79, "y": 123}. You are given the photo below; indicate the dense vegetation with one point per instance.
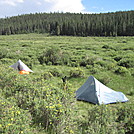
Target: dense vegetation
{"x": 104, "y": 24}
{"x": 41, "y": 103}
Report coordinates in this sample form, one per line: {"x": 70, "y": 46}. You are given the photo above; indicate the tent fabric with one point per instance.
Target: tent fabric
{"x": 95, "y": 92}
{"x": 23, "y": 72}
{"x": 20, "y": 66}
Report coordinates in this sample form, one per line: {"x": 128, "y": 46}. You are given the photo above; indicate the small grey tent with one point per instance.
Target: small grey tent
{"x": 95, "y": 92}
{"x": 19, "y": 66}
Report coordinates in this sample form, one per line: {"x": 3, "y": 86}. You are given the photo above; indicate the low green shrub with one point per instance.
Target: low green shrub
{"x": 125, "y": 118}
{"x": 130, "y": 92}
{"x": 102, "y": 63}
{"x": 118, "y": 57}
{"x": 55, "y": 56}
{"x": 106, "y": 119}
{"x": 14, "y": 120}
{"x": 14, "y": 55}
{"x": 6, "y": 61}
{"x": 52, "y": 112}
{"x": 131, "y": 71}
{"x": 126, "y": 62}
{"x": 94, "y": 70}
{"x": 124, "y": 41}
{"x": 47, "y": 75}
{"x": 100, "y": 120}
{"x": 3, "y": 52}
{"x": 12, "y": 81}
{"x": 88, "y": 60}
{"x": 50, "y": 55}
{"x": 89, "y": 66}
{"x": 65, "y": 58}
{"x": 74, "y": 64}
{"x": 122, "y": 71}
{"x": 56, "y": 72}
{"x": 37, "y": 103}
{"x": 109, "y": 65}
{"x": 76, "y": 72}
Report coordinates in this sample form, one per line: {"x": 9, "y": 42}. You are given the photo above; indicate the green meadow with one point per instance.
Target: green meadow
{"x": 41, "y": 103}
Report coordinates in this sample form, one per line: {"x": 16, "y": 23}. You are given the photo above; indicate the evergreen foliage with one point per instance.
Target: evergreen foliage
{"x": 71, "y": 24}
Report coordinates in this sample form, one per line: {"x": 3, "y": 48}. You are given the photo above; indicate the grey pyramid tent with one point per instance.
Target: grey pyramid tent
{"x": 19, "y": 66}
{"x": 95, "y": 92}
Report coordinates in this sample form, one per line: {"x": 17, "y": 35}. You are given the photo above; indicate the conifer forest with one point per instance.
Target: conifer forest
{"x": 71, "y": 24}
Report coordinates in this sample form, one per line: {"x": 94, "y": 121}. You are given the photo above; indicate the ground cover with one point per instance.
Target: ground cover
{"x": 42, "y": 103}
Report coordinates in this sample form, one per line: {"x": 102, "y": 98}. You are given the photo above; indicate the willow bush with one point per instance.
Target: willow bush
{"x": 54, "y": 56}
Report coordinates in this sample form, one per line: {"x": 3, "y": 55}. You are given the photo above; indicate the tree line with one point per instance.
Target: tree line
{"x": 71, "y": 24}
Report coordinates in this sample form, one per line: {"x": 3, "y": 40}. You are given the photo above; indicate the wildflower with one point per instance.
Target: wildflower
{"x": 60, "y": 111}
{"x": 9, "y": 124}
{"x": 47, "y": 95}
{"x": 51, "y": 107}
{"x": 71, "y": 131}
{"x": 18, "y": 112}
{"x": 59, "y": 105}
{"x": 11, "y": 119}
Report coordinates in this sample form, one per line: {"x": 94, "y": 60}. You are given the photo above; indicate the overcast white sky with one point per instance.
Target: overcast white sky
{"x": 17, "y": 7}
